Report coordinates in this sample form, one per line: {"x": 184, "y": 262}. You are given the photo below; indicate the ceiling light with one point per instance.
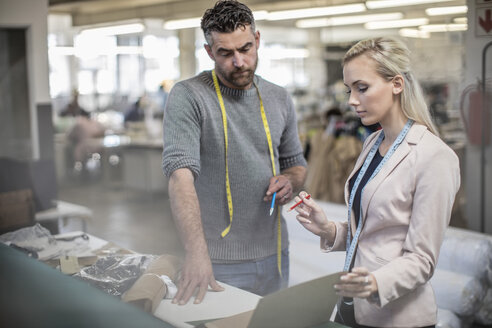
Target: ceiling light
{"x": 116, "y": 29}
{"x": 460, "y": 20}
{"x": 413, "y": 33}
{"x": 346, "y": 20}
{"x": 260, "y": 15}
{"x": 284, "y": 53}
{"x": 443, "y": 27}
{"x": 177, "y": 24}
{"x": 314, "y": 12}
{"x": 446, "y": 10}
{"x": 398, "y": 3}
{"x": 396, "y": 23}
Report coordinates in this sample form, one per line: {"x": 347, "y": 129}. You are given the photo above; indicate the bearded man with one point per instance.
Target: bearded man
{"x": 230, "y": 145}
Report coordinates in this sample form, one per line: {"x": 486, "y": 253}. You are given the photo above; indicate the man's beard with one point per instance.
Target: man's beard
{"x": 241, "y": 80}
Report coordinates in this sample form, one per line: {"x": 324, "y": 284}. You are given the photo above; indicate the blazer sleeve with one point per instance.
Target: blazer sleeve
{"x": 437, "y": 179}
{"x": 340, "y": 239}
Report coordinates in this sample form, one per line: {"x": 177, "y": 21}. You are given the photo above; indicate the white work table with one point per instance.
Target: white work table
{"x": 307, "y": 262}
{"x": 215, "y": 305}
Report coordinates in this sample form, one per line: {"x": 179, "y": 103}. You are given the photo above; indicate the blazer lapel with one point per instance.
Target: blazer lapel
{"x": 413, "y": 136}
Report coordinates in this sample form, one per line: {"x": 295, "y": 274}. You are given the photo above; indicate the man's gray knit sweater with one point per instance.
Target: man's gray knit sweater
{"x": 194, "y": 139}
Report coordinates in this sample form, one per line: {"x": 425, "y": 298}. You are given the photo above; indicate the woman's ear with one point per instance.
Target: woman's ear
{"x": 398, "y": 84}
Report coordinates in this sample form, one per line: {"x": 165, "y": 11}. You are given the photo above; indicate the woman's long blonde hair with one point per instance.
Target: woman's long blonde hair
{"x": 393, "y": 58}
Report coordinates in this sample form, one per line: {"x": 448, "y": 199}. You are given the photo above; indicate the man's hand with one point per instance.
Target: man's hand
{"x": 282, "y": 186}
{"x": 197, "y": 273}
{"x": 197, "y": 269}
{"x": 286, "y": 184}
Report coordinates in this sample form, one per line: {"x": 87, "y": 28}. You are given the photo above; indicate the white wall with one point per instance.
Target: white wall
{"x": 32, "y": 15}
{"x": 439, "y": 60}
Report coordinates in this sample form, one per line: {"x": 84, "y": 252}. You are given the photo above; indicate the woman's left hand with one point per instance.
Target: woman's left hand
{"x": 357, "y": 283}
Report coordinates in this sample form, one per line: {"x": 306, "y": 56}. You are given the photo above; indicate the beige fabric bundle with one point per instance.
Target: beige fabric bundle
{"x": 329, "y": 165}
{"x": 149, "y": 289}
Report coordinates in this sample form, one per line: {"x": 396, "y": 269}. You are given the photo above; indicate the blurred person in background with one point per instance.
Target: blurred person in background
{"x": 73, "y": 108}
{"x": 136, "y": 112}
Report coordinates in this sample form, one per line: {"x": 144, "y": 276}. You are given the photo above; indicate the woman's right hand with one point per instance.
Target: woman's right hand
{"x": 312, "y": 217}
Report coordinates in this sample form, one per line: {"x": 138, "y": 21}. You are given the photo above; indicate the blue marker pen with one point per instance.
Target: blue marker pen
{"x": 272, "y": 206}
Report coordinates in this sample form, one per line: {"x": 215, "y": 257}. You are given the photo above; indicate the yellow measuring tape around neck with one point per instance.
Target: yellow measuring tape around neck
{"x": 272, "y": 158}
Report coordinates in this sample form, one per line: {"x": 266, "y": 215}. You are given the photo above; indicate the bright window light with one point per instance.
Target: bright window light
{"x": 438, "y": 11}
{"x": 52, "y": 40}
{"x": 151, "y": 46}
{"x": 61, "y": 51}
{"x": 413, "y": 33}
{"x": 116, "y": 29}
{"x": 127, "y": 50}
{"x": 346, "y": 20}
{"x": 204, "y": 61}
{"x": 105, "y": 82}
{"x": 443, "y": 27}
{"x": 85, "y": 82}
{"x": 314, "y": 12}
{"x": 396, "y": 23}
{"x": 88, "y": 46}
{"x": 398, "y": 3}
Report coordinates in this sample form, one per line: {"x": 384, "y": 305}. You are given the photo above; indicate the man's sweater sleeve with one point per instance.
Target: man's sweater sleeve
{"x": 181, "y": 132}
{"x": 290, "y": 151}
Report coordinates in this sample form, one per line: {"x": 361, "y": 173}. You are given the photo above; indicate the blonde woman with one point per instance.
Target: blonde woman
{"x": 399, "y": 196}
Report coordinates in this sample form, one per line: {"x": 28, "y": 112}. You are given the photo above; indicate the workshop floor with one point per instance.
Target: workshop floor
{"x": 137, "y": 220}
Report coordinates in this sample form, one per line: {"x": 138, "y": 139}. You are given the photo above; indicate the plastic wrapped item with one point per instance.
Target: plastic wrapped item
{"x": 39, "y": 243}
{"x": 484, "y": 315}
{"x": 115, "y": 274}
{"x": 457, "y": 292}
{"x": 152, "y": 286}
{"x": 34, "y": 235}
{"x": 447, "y": 319}
{"x": 466, "y": 253}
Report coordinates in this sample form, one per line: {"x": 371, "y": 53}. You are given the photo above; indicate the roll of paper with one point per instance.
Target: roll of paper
{"x": 466, "y": 253}
{"x": 484, "y": 314}
{"x": 447, "y": 319}
{"x": 146, "y": 293}
{"x": 150, "y": 288}
{"x": 457, "y": 292}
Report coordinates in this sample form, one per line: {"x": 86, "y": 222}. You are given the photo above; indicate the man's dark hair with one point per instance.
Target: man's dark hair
{"x": 225, "y": 17}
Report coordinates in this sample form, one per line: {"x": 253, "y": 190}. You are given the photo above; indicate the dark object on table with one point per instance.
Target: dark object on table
{"x": 36, "y": 295}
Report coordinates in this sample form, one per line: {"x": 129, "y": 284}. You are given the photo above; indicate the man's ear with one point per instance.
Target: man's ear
{"x": 209, "y": 51}
{"x": 398, "y": 84}
{"x": 257, "y": 39}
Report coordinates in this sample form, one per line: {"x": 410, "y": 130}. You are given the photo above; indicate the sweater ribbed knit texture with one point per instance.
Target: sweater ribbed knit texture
{"x": 194, "y": 139}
